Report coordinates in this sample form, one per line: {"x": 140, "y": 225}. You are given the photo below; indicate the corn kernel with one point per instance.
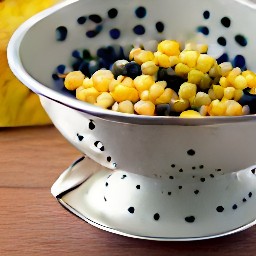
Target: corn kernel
{"x": 144, "y": 95}
{"x": 174, "y": 60}
{"x": 144, "y": 108}
{"x": 134, "y": 52}
{"x": 233, "y": 108}
{"x": 203, "y": 110}
{"x": 250, "y": 80}
{"x": 205, "y": 82}
{"x": 155, "y": 91}
{"x": 240, "y": 82}
{"x": 126, "y": 107}
{"x": 182, "y": 70}
{"x": 162, "y": 60}
{"x": 143, "y": 82}
{"x": 225, "y": 68}
{"x": 218, "y": 91}
{"x": 128, "y": 82}
{"x": 189, "y": 58}
{"x": 143, "y": 56}
{"x": 113, "y": 84}
{"x": 73, "y": 80}
{"x": 201, "y": 99}
{"x": 224, "y": 82}
{"x": 187, "y": 90}
{"x": 216, "y": 108}
{"x": 87, "y": 83}
{"x": 180, "y": 105}
{"x": 165, "y": 97}
{"x": 212, "y": 94}
{"x": 101, "y": 80}
{"x": 229, "y": 93}
{"x": 162, "y": 83}
{"x": 169, "y": 47}
{"x": 88, "y": 95}
{"x": 149, "y": 68}
{"x": 195, "y": 76}
{"x": 122, "y": 93}
{"x": 105, "y": 100}
{"x": 190, "y": 114}
{"x": 204, "y": 62}
{"x": 233, "y": 74}
{"x": 238, "y": 94}
{"x": 115, "y": 106}
{"x": 215, "y": 70}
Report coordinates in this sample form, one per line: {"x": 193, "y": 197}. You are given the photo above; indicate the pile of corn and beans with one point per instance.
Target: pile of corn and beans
{"x": 168, "y": 82}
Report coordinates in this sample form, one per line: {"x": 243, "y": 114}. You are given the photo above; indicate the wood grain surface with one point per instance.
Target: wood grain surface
{"x": 32, "y": 222}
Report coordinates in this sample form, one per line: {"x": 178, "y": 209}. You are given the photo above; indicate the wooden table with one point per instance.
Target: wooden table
{"x": 32, "y": 222}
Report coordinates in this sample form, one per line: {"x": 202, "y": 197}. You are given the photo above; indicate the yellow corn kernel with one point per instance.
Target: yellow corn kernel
{"x": 143, "y": 56}
{"x": 201, "y": 48}
{"x": 113, "y": 84}
{"x": 201, "y": 99}
{"x": 165, "y": 97}
{"x": 122, "y": 93}
{"x": 162, "y": 83}
{"x": 205, "y": 82}
{"x": 218, "y": 91}
{"x": 174, "y": 60}
{"x": 162, "y": 60}
{"x": 250, "y": 80}
{"x": 212, "y": 94}
{"x": 144, "y": 108}
{"x": 205, "y": 62}
{"x": 120, "y": 78}
{"x": 88, "y": 95}
{"x": 190, "y": 114}
{"x": 102, "y": 79}
{"x": 126, "y": 107}
{"x": 105, "y": 100}
{"x": 225, "y": 68}
{"x": 233, "y": 74}
{"x": 169, "y": 47}
{"x": 253, "y": 91}
{"x": 216, "y": 108}
{"x": 203, "y": 110}
{"x": 195, "y": 76}
{"x": 128, "y": 82}
{"x": 240, "y": 82}
{"x": 155, "y": 91}
{"x": 134, "y": 52}
{"x": 224, "y": 82}
{"x": 182, "y": 70}
{"x": 215, "y": 70}
{"x": 115, "y": 106}
{"x": 87, "y": 83}
{"x": 80, "y": 88}
{"x": 180, "y": 105}
{"x": 149, "y": 68}
{"x": 187, "y": 90}
{"x": 73, "y": 80}
{"x": 233, "y": 108}
{"x": 229, "y": 93}
{"x": 144, "y": 95}
{"x": 143, "y": 82}
{"x": 238, "y": 94}
{"x": 189, "y": 58}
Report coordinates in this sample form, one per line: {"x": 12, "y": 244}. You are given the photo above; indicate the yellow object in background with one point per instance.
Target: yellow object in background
{"x": 19, "y": 106}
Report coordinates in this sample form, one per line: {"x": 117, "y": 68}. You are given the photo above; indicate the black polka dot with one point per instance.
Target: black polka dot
{"x": 81, "y": 20}
{"x": 91, "y": 125}
{"x": 160, "y": 26}
{"x": 196, "y": 192}
{"x": 115, "y": 33}
{"x": 171, "y": 177}
{"x": 204, "y": 30}
{"x": 109, "y": 158}
{"x": 95, "y": 18}
{"x": 241, "y": 40}
{"x": 138, "y": 186}
{"x": 156, "y": 216}
{"x": 106, "y": 184}
{"x": 61, "y": 33}
{"x": 131, "y": 210}
{"x": 202, "y": 179}
{"x": 139, "y": 30}
{"x": 190, "y": 219}
{"x": 206, "y": 14}
{"x": 180, "y": 187}
{"x": 169, "y": 193}
{"x": 112, "y": 13}
{"x": 201, "y": 166}
{"x": 181, "y": 170}
{"x": 105, "y": 199}
{"x": 80, "y": 137}
{"x": 239, "y": 61}
{"x": 218, "y": 170}
{"x": 222, "y": 41}
{"x": 173, "y": 165}
{"x": 250, "y": 194}
{"x": 226, "y": 22}
{"x": 244, "y": 200}
{"x": 234, "y": 207}
{"x": 55, "y": 77}
{"x": 191, "y": 152}
{"x": 141, "y": 12}
{"x": 211, "y": 175}
{"x": 220, "y": 209}
{"x": 253, "y": 171}
{"x": 124, "y": 176}
{"x": 95, "y": 32}
{"x": 99, "y": 145}
{"x": 193, "y": 167}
